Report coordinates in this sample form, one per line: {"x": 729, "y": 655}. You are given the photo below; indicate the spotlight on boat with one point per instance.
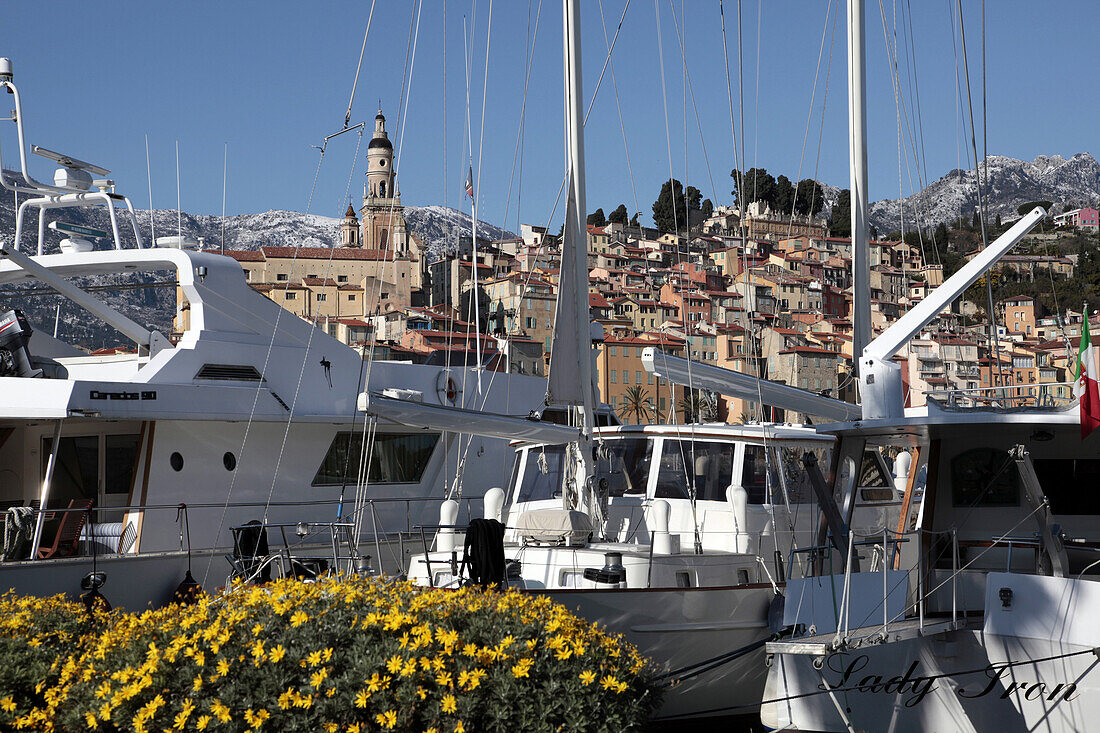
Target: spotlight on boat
{"x": 7, "y": 72}
{"x": 301, "y": 529}
{"x": 362, "y": 565}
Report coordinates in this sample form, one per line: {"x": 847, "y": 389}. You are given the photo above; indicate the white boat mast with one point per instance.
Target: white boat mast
{"x": 857, "y": 157}
{"x": 577, "y": 249}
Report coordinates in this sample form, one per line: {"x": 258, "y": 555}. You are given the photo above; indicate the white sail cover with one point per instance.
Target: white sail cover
{"x": 564, "y": 386}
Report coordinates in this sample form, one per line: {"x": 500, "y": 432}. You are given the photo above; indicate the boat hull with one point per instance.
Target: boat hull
{"x": 681, "y": 627}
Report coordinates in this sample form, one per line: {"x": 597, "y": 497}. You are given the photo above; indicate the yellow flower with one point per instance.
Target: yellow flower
{"x": 608, "y": 682}
{"x": 563, "y": 653}
{"x": 327, "y": 654}
{"x": 409, "y": 669}
{"x": 286, "y": 699}
{"x": 449, "y": 704}
{"x": 387, "y": 719}
{"x": 196, "y": 684}
{"x": 443, "y": 679}
{"x": 318, "y": 677}
{"x": 298, "y": 618}
{"x": 313, "y": 659}
{"x": 587, "y": 677}
{"x": 223, "y": 667}
{"x": 257, "y": 629}
{"x": 7, "y": 704}
{"x": 460, "y": 728}
{"x": 362, "y": 699}
{"x": 470, "y": 650}
{"x": 90, "y": 719}
{"x": 220, "y": 711}
{"x": 202, "y": 722}
{"x": 353, "y": 728}
{"x": 276, "y": 654}
{"x": 521, "y": 668}
{"x": 394, "y": 664}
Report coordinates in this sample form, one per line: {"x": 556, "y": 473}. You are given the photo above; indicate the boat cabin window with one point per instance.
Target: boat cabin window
{"x": 1062, "y": 480}
{"x": 394, "y": 458}
{"x": 754, "y": 473}
{"x": 77, "y": 472}
{"x": 705, "y": 466}
{"x": 628, "y": 464}
{"x": 542, "y": 474}
{"x": 984, "y": 477}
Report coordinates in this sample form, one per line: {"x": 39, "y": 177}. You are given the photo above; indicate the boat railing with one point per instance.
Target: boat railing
{"x": 1034, "y": 394}
{"x": 371, "y": 527}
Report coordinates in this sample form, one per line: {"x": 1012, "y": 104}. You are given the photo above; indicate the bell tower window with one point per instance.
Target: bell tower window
{"x": 382, "y": 189}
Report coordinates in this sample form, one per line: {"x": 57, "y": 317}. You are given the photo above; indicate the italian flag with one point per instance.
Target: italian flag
{"x": 1085, "y": 386}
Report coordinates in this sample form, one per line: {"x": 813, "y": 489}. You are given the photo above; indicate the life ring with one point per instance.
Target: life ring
{"x": 446, "y": 388}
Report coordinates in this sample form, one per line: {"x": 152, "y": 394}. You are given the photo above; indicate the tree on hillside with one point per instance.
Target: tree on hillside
{"x": 840, "y": 217}
{"x": 671, "y": 207}
{"x": 597, "y": 218}
{"x": 694, "y": 198}
{"x": 809, "y": 197}
{"x": 940, "y": 236}
{"x": 1023, "y": 209}
{"x": 634, "y": 219}
{"x": 759, "y": 186}
{"x": 782, "y": 195}
{"x": 619, "y": 215}
{"x": 707, "y": 208}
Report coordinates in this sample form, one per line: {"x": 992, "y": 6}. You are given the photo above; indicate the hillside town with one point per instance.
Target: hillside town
{"x": 769, "y": 295}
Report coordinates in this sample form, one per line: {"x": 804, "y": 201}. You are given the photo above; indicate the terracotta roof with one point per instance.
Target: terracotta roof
{"x": 244, "y": 255}
{"x": 324, "y": 253}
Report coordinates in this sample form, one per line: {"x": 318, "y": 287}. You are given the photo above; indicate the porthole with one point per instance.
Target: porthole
{"x": 176, "y": 461}
{"x": 229, "y": 461}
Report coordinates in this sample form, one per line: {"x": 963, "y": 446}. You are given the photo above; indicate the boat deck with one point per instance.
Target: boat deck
{"x": 818, "y": 645}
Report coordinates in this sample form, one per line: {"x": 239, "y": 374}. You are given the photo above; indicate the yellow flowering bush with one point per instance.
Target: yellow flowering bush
{"x": 336, "y": 655}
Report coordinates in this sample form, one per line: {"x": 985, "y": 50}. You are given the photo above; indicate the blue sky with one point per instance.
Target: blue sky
{"x": 273, "y": 78}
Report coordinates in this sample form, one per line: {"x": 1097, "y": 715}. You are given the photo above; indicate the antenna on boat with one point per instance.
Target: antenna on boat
{"x": 149, "y": 178}
{"x": 179, "y": 211}
{"x": 225, "y": 167}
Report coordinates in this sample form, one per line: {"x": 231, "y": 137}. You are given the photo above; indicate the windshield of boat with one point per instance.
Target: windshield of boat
{"x": 628, "y": 462}
{"x": 542, "y": 473}
{"x": 705, "y": 466}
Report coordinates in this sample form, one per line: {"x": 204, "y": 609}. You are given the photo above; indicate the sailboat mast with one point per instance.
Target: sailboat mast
{"x": 857, "y": 155}
{"x": 574, "y": 119}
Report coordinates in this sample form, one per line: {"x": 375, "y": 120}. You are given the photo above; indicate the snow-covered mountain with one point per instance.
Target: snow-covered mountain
{"x": 1012, "y": 182}
{"x": 148, "y": 302}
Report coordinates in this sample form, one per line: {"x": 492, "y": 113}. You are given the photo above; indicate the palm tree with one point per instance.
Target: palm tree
{"x": 635, "y": 403}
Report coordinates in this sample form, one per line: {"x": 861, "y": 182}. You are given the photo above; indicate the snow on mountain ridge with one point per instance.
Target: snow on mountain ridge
{"x": 1012, "y": 182}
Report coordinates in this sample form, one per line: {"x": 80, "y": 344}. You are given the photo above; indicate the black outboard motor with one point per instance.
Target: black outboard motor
{"x": 15, "y": 332}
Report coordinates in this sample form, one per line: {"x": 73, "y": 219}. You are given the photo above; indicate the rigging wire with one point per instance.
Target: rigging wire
{"x": 992, "y": 315}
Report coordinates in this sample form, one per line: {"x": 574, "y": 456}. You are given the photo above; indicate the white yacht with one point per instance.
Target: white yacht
{"x": 249, "y": 416}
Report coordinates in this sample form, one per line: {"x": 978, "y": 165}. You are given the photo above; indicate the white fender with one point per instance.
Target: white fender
{"x": 494, "y": 503}
{"x": 448, "y": 515}
{"x": 738, "y": 500}
{"x": 659, "y": 513}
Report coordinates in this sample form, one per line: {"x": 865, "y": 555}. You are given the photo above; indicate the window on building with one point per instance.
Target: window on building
{"x": 281, "y": 277}
{"x": 341, "y": 278}
{"x": 351, "y": 297}
{"x": 291, "y": 296}
{"x": 626, "y": 376}
{"x": 321, "y": 296}
{"x": 614, "y": 375}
